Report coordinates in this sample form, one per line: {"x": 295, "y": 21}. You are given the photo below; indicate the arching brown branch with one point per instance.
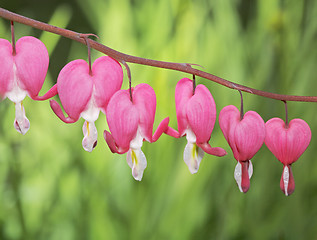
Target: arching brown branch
{"x": 182, "y": 67}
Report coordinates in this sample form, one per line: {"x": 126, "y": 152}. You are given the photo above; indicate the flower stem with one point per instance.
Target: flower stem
{"x": 241, "y": 108}
{"x": 85, "y": 37}
{"x": 13, "y": 39}
{"x": 194, "y": 83}
{"x": 286, "y": 114}
{"x": 129, "y": 77}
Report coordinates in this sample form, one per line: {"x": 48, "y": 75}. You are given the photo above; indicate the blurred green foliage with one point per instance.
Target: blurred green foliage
{"x": 50, "y": 188}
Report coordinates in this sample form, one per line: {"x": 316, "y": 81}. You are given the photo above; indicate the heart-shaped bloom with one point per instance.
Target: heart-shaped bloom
{"x": 287, "y": 142}
{"x": 245, "y": 137}
{"x": 130, "y": 123}
{"x": 22, "y": 73}
{"x": 84, "y": 95}
{"x": 196, "y": 116}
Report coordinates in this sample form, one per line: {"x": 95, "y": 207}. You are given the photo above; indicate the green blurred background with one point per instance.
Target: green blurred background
{"x": 50, "y": 188}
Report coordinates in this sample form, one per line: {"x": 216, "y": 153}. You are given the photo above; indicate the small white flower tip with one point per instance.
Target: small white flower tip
{"x": 21, "y": 122}
{"x": 192, "y": 157}
{"x": 137, "y": 162}
{"x": 90, "y": 136}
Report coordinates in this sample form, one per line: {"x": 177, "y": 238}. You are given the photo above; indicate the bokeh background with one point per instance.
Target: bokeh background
{"x": 50, "y": 188}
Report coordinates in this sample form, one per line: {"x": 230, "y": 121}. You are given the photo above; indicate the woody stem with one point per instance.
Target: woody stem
{"x": 181, "y": 67}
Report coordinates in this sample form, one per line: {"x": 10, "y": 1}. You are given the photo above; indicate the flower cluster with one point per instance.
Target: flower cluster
{"x": 85, "y": 90}
{"x": 246, "y": 133}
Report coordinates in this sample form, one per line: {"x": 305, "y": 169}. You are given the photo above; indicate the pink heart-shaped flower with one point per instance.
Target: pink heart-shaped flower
{"x": 287, "y": 143}
{"x": 22, "y": 73}
{"x": 130, "y": 123}
{"x": 84, "y": 93}
{"x": 196, "y": 117}
{"x": 76, "y": 87}
{"x": 245, "y": 137}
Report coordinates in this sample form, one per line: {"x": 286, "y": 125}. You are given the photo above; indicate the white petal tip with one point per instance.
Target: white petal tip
{"x": 22, "y": 126}
{"x": 192, "y": 157}
{"x": 90, "y": 136}
{"x": 137, "y": 162}
{"x": 21, "y": 122}
{"x": 137, "y": 176}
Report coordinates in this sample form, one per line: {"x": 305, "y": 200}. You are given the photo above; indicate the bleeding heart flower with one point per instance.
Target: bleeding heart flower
{"x": 130, "y": 123}
{"x": 287, "y": 142}
{"x": 196, "y": 116}
{"x": 22, "y": 73}
{"x": 245, "y": 137}
{"x": 84, "y": 95}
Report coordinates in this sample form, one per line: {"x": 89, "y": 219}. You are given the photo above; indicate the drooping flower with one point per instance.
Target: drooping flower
{"x": 22, "y": 74}
{"x": 196, "y": 116}
{"x": 287, "y": 142}
{"x": 84, "y": 94}
{"x": 245, "y": 137}
{"x": 130, "y": 123}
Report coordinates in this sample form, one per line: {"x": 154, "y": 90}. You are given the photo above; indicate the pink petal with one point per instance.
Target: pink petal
{"x": 75, "y": 86}
{"x": 59, "y": 113}
{"x": 245, "y": 182}
{"x": 50, "y": 93}
{"x": 6, "y": 63}
{"x": 123, "y": 119}
{"x": 110, "y": 141}
{"x": 246, "y": 136}
{"x": 160, "y": 129}
{"x": 216, "y": 151}
{"x": 287, "y": 144}
{"x": 172, "y": 132}
{"x": 32, "y": 62}
{"x": 107, "y": 77}
{"x": 201, "y": 114}
{"x": 144, "y": 100}
{"x": 229, "y": 117}
{"x": 183, "y": 92}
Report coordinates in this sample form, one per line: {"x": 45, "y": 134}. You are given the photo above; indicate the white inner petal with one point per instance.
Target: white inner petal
{"x": 250, "y": 169}
{"x": 137, "y": 141}
{"x": 238, "y": 175}
{"x": 193, "y": 156}
{"x": 286, "y": 179}
{"x": 17, "y": 94}
{"x": 90, "y": 136}
{"x": 190, "y": 136}
{"x": 91, "y": 113}
{"x": 21, "y": 122}
{"x": 137, "y": 162}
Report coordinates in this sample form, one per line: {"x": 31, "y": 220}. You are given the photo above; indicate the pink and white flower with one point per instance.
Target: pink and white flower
{"x": 245, "y": 137}
{"x": 196, "y": 116}
{"x": 22, "y": 74}
{"x": 84, "y": 95}
{"x": 287, "y": 142}
{"x": 130, "y": 123}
